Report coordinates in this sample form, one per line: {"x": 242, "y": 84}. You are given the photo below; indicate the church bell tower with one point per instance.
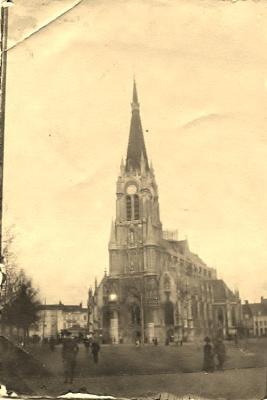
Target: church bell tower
{"x": 137, "y": 231}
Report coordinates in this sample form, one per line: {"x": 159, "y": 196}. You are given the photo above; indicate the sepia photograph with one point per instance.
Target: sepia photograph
{"x": 133, "y": 199}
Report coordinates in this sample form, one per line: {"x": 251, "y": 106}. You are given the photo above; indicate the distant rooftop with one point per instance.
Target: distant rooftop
{"x": 63, "y": 307}
{"x": 254, "y": 309}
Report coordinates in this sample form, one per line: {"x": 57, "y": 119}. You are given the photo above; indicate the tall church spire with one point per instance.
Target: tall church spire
{"x": 135, "y": 103}
{"x": 136, "y": 145}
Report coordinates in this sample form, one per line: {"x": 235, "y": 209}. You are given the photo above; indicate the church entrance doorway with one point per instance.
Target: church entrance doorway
{"x": 135, "y": 313}
{"x": 132, "y": 316}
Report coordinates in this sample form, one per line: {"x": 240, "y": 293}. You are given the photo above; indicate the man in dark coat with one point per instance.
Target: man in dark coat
{"x": 208, "y": 365}
{"x": 95, "y": 350}
{"x": 219, "y": 350}
{"x": 69, "y": 354}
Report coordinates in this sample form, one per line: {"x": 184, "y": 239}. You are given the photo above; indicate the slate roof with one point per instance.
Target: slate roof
{"x": 254, "y": 309}
{"x": 221, "y": 292}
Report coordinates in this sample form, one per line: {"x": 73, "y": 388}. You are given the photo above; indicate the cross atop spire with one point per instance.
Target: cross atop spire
{"x": 136, "y": 152}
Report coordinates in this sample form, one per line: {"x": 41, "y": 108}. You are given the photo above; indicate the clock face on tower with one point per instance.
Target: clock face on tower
{"x": 131, "y": 189}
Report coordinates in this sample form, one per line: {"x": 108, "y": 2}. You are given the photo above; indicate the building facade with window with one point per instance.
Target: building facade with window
{"x": 255, "y": 317}
{"x": 55, "y": 318}
{"x": 156, "y": 286}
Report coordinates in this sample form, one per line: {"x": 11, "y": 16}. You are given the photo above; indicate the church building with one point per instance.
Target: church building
{"x": 156, "y": 287}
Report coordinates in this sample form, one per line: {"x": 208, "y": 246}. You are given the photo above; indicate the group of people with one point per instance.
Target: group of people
{"x": 214, "y": 355}
{"x": 70, "y": 350}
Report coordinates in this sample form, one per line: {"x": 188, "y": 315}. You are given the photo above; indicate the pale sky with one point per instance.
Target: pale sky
{"x": 201, "y": 71}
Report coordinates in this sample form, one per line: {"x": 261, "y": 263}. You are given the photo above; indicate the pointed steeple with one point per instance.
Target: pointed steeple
{"x": 135, "y": 104}
{"x": 122, "y": 167}
{"x": 143, "y": 164}
{"x": 136, "y": 144}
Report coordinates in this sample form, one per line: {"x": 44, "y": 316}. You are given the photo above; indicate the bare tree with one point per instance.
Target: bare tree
{"x": 10, "y": 262}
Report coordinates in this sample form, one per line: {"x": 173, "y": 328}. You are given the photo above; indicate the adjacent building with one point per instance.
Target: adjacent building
{"x": 156, "y": 286}
{"x": 55, "y": 318}
{"x": 255, "y": 318}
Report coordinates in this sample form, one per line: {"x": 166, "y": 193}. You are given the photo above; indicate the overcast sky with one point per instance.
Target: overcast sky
{"x": 201, "y": 71}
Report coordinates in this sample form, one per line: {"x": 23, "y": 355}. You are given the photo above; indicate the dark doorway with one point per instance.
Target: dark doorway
{"x": 136, "y": 314}
{"x": 220, "y": 316}
{"x": 169, "y": 313}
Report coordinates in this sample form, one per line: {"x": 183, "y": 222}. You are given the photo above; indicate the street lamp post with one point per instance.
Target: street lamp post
{"x": 114, "y": 322}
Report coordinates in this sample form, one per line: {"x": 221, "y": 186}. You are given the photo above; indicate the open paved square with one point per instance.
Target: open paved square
{"x": 125, "y": 370}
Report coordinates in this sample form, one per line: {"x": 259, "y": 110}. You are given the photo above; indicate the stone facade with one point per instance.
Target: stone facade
{"x": 54, "y": 318}
{"x": 255, "y": 318}
{"x": 156, "y": 287}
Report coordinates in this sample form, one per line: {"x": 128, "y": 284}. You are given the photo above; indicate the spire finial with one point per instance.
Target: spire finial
{"x": 135, "y": 104}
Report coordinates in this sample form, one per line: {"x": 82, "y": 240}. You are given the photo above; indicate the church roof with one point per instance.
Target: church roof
{"x": 136, "y": 146}
{"x": 195, "y": 257}
{"x": 222, "y": 292}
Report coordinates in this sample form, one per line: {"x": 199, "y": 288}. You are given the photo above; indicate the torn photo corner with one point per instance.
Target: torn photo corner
{"x": 133, "y": 199}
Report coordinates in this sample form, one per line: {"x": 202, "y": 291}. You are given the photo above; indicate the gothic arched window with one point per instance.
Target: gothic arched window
{"x": 136, "y": 207}
{"x": 128, "y": 208}
{"x": 132, "y": 207}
